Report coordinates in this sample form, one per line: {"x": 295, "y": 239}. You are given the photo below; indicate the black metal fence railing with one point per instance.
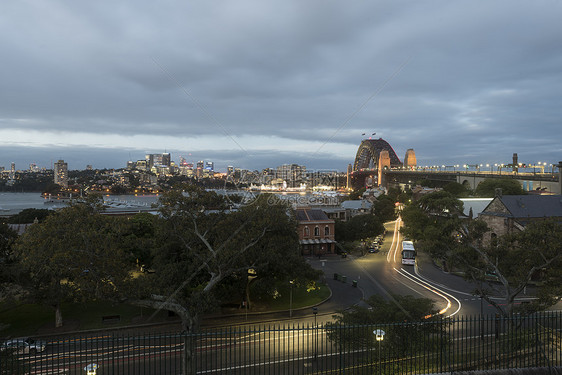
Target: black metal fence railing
{"x": 449, "y": 345}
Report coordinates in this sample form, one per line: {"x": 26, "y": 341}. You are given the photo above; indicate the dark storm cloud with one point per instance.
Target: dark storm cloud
{"x": 460, "y": 82}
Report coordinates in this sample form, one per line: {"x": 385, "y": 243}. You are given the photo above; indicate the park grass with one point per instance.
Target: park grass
{"x": 301, "y": 297}
{"x": 29, "y": 319}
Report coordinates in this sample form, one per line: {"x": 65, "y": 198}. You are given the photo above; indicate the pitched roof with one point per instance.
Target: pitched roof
{"x": 311, "y": 214}
{"x": 357, "y": 204}
{"x": 533, "y": 206}
{"x": 477, "y": 204}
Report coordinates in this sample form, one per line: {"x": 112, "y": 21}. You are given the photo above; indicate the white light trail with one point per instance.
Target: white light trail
{"x": 433, "y": 289}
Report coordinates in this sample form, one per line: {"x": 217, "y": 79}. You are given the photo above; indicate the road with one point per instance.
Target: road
{"x": 382, "y": 273}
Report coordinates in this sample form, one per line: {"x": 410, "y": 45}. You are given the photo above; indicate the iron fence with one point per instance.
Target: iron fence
{"x": 449, "y": 345}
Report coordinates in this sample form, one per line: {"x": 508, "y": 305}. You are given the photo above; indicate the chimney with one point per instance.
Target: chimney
{"x": 498, "y": 192}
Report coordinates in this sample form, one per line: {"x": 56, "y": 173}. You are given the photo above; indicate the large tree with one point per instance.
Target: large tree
{"x": 204, "y": 245}
{"x": 359, "y": 227}
{"x": 74, "y": 255}
{"x": 509, "y": 186}
{"x": 432, "y": 222}
{"x": 384, "y": 207}
{"x": 7, "y": 261}
{"x": 516, "y": 261}
{"x": 201, "y": 248}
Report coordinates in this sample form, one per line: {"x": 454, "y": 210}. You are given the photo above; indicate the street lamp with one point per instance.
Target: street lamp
{"x": 315, "y": 344}
{"x": 291, "y": 282}
{"x": 91, "y": 369}
{"x": 379, "y": 336}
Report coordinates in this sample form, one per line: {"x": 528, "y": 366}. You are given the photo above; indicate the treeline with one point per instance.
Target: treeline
{"x": 198, "y": 252}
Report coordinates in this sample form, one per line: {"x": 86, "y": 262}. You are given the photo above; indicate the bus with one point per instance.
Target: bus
{"x": 408, "y": 253}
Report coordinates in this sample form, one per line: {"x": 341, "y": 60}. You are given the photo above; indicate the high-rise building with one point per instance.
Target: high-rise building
{"x": 152, "y": 160}
{"x": 210, "y": 166}
{"x": 61, "y": 173}
{"x": 33, "y": 167}
{"x": 292, "y": 174}
{"x": 199, "y": 170}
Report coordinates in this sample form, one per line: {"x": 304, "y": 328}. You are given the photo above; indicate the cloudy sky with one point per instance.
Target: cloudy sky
{"x": 256, "y": 84}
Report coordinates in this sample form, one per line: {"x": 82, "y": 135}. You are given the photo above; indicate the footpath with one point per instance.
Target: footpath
{"x": 343, "y": 295}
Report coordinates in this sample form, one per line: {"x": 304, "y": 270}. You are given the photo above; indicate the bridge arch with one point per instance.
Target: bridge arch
{"x": 369, "y": 152}
{"x": 373, "y": 156}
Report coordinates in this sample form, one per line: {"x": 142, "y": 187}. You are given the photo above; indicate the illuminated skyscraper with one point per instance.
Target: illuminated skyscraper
{"x": 61, "y": 173}
{"x": 158, "y": 159}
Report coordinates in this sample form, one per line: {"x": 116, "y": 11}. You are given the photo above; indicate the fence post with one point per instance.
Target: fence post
{"x": 537, "y": 348}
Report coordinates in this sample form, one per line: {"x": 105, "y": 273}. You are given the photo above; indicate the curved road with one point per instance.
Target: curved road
{"x": 382, "y": 273}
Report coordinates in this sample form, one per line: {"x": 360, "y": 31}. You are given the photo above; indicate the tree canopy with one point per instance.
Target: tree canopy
{"x": 384, "y": 207}
{"x": 359, "y": 227}
{"x": 487, "y": 188}
{"x": 28, "y": 216}
{"x": 516, "y": 260}
{"x": 74, "y": 255}
{"x": 200, "y": 249}
{"x": 7, "y": 261}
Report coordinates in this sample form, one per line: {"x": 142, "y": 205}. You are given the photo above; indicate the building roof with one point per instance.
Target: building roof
{"x": 477, "y": 204}
{"x": 533, "y": 206}
{"x": 311, "y": 214}
{"x": 357, "y": 205}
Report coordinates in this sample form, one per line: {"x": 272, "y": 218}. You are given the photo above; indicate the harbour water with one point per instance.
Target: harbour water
{"x": 12, "y": 203}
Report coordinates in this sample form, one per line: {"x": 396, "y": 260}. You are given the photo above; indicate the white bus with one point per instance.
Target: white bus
{"x": 408, "y": 253}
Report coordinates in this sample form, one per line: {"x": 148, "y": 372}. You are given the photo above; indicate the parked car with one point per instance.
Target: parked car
{"x": 24, "y": 345}
{"x": 374, "y": 248}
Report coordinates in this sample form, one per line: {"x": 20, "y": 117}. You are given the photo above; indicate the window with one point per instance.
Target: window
{"x": 316, "y": 231}
{"x": 327, "y": 231}
{"x": 306, "y": 232}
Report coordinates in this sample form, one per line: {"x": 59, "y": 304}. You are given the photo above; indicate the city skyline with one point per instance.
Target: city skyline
{"x": 279, "y": 83}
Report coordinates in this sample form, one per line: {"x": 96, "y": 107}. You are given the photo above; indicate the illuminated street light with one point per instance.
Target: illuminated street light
{"x": 379, "y": 336}
{"x": 91, "y": 369}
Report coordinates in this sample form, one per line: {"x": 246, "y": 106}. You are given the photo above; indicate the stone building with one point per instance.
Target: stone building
{"x": 511, "y": 213}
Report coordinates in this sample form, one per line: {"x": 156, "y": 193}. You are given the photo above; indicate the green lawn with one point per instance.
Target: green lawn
{"x": 27, "y": 319}
{"x": 301, "y": 298}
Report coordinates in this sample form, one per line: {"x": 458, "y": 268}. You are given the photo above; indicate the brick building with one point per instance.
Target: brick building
{"x": 316, "y": 232}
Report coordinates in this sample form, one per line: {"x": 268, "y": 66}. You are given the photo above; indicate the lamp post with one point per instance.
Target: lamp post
{"x": 291, "y": 282}
{"x": 91, "y": 369}
{"x": 315, "y": 343}
{"x": 379, "y": 336}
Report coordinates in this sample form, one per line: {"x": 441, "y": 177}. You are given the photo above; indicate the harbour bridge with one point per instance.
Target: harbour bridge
{"x": 377, "y": 164}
